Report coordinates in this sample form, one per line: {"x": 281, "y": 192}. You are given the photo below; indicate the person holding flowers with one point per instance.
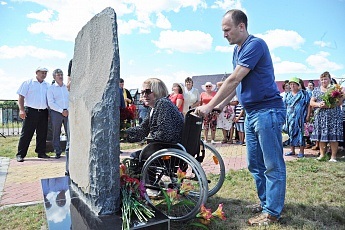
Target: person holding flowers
{"x": 297, "y": 104}
{"x": 328, "y": 126}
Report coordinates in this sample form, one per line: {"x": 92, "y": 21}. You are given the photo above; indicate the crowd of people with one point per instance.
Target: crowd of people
{"x": 258, "y": 114}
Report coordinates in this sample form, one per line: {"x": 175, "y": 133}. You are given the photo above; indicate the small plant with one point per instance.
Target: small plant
{"x": 205, "y": 216}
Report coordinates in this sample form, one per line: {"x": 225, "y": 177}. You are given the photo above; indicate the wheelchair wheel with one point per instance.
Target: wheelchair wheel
{"x": 214, "y": 168}
{"x": 175, "y": 184}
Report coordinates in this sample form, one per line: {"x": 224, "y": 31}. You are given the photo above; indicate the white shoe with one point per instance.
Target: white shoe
{"x": 213, "y": 142}
{"x": 333, "y": 160}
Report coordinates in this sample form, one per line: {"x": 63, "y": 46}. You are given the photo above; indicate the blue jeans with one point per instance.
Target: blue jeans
{"x": 263, "y": 129}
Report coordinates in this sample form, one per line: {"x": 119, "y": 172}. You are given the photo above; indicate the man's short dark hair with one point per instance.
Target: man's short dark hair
{"x": 121, "y": 80}
{"x": 238, "y": 16}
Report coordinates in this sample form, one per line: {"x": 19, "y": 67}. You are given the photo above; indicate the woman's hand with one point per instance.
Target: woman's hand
{"x": 323, "y": 105}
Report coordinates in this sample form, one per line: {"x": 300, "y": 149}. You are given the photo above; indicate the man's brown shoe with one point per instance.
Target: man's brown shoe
{"x": 263, "y": 219}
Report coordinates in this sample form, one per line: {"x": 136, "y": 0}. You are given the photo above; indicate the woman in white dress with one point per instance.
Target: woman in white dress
{"x": 225, "y": 118}
{"x": 191, "y": 96}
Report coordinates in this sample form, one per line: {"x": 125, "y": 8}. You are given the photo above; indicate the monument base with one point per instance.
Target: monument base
{"x": 65, "y": 210}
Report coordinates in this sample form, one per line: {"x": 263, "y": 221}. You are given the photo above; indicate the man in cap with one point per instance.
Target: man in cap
{"x": 57, "y": 97}
{"x": 33, "y": 110}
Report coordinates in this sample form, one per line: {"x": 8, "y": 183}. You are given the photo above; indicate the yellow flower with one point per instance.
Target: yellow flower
{"x": 219, "y": 212}
{"x": 204, "y": 213}
{"x": 186, "y": 187}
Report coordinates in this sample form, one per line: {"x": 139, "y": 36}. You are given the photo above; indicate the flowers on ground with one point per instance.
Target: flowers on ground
{"x": 132, "y": 193}
{"x": 206, "y": 216}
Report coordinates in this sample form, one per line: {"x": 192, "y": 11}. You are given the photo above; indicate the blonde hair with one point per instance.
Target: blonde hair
{"x": 157, "y": 86}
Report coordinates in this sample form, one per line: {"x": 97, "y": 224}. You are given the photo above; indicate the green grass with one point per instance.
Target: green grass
{"x": 8, "y": 147}
{"x": 315, "y": 198}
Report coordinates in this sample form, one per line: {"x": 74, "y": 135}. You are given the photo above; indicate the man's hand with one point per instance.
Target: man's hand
{"x": 65, "y": 113}
{"x": 22, "y": 114}
{"x": 203, "y": 110}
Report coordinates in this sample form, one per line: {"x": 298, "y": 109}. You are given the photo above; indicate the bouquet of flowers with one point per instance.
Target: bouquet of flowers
{"x": 333, "y": 95}
{"x": 133, "y": 202}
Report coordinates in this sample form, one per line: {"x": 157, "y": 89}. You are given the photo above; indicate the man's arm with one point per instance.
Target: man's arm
{"x": 22, "y": 113}
{"x": 227, "y": 91}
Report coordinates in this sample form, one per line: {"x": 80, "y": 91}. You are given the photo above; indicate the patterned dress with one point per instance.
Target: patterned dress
{"x": 296, "y": 113}
{"x": 328, "y": 124}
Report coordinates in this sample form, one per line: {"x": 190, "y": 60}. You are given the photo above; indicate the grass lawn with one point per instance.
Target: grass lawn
{"x": 315, "y": 198}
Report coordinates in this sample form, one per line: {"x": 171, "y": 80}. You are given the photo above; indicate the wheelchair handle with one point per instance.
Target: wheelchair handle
{"x": 191, "y": 111}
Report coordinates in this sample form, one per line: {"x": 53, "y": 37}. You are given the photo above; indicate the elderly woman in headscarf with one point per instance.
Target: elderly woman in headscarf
{"x": 297, "y": 104}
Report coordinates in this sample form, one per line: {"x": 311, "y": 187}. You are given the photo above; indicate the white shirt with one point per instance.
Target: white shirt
{"x": 190, "y": 97}
{"x": 58, "y": 97}
{"x": 34, "y": 93}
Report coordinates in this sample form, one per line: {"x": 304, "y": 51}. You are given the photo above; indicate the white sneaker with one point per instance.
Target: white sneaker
{"x": 213, "y": 142}
{"x": 333, "y": 160}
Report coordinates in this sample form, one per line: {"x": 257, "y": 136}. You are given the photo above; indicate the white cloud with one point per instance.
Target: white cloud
{"x": 3, "y": 3}
{"x": 68, "y": 17}
{"x": 224, "y": 49}
{"x": 285, "y": 67}
{"x": 282, "y": 38}
{"x": 162, "y": 22}
{"x": 186, "y": 41}
{"x": 8, "y": 82}
{"x": 227, "y": 5}
{"x": 320, "y": 63}
{"x": 275, "y": 59}
{"x": 322, "y": 44}
{"x": 44, "y": 15}
{"x": 7, "y": 52}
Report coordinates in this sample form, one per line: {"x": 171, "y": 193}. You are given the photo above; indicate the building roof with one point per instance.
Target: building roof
{"x": 202, "y": 79}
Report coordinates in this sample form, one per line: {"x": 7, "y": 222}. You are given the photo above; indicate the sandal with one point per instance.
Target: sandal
{"x": 224, "y": 141}
{"x": 300, "y": 155}
{"x": 315, "y": 148}
{"x": 289, "y": 154}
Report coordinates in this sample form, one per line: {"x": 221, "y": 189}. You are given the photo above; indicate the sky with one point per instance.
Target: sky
{"x": 171, "y": 39}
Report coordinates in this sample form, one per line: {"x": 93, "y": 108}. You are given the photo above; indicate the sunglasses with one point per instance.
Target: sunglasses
{"x": 146, "y": 92}
{"x": 208, "y": 86}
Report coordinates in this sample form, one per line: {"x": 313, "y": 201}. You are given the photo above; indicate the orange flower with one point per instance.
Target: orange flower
{"x": 219, "y": 212}
{"x": 186, "y": 187}
{"x": 180, "y": 175}
{"x": 122, "y": 169}
{"x": 204, "y": 213}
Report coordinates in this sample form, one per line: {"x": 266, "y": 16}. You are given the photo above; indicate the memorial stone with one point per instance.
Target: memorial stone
{"x": 94, "y": 115}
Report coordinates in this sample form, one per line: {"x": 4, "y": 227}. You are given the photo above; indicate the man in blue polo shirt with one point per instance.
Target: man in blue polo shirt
{"x": 254, "y": 81}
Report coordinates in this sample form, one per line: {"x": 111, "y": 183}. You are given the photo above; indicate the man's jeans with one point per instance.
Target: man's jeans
{"x": 263, "y": 130}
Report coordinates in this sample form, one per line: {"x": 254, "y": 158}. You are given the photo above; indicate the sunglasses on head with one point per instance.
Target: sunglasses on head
{"x": 146, "y": 92}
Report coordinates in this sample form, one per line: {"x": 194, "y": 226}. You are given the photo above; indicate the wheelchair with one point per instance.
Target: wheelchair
{"x": 179, "y": 178}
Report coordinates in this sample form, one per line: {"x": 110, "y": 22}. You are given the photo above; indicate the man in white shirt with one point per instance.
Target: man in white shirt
{"x": 33, "y": 110}
{"x": 57, "y": 97}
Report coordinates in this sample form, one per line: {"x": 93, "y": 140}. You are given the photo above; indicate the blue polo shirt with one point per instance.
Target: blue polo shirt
{"x": 258, "y": 89}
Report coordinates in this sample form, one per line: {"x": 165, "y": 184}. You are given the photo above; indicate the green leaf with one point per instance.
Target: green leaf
{"x": 199, "y": 225}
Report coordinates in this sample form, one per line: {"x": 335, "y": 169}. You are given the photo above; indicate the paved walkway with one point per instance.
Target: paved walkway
{"x": 20, "y": 183}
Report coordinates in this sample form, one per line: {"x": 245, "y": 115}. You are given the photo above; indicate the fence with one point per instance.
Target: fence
{"x": 10, "y": 123}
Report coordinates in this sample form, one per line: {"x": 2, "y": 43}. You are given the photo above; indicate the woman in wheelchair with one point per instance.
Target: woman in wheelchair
{"x": 163, "y": 123}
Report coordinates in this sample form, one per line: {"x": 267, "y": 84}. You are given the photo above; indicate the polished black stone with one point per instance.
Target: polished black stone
{"x": 65, "y": 210}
